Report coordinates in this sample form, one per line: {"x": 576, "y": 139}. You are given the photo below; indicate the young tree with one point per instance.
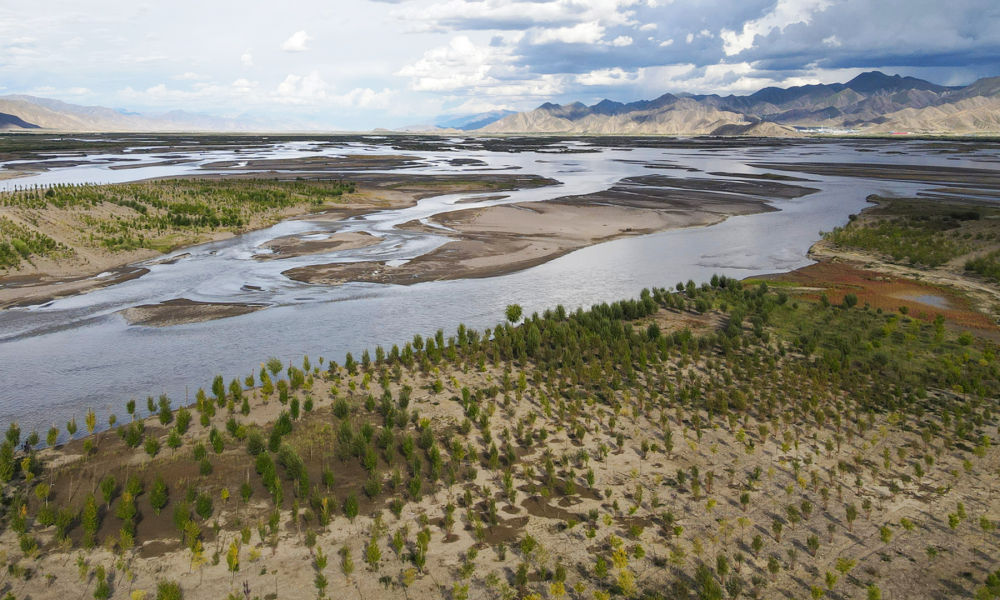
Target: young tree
{"x": 90, "y": 521}
{"x": 320, "y": 581}
{"x": 513, "y": 313}
{"x": 8, "y": 465}
{"x": 812, "y": 542}
{"x": 52, "y": 437}
{"x": 851, "y": 513}
{"x": 351, "y": 507}
{"x": 373, "y": 554}
{"x": 707, "y": 587}
{"x": 346, "y": 562}
{"x": 233, "y": 558}
{"x": 108, "y": 487}
{"x": 158, "y": 495}
{"x": 91, "y": 421}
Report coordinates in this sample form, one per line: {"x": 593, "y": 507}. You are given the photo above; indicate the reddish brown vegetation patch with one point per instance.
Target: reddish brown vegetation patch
{"x": 888, "y": 292}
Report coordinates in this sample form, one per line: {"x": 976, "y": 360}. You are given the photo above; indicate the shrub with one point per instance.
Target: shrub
{"x": 203, "y": 506}
{"x": 168, "y": 590}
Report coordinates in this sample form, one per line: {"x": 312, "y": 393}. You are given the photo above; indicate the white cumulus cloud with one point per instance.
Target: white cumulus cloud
{"x": 302, "y": 89}
{"x": 582, "y": 33}
{"x": 297, "y": 42}
{"x": 613, "y": 76}
{"x": 784, "y": 13}
{"x": 460, "y": 64}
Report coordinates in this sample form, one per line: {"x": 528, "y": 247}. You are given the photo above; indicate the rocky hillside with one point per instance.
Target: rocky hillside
{"x": 872, "y": 102}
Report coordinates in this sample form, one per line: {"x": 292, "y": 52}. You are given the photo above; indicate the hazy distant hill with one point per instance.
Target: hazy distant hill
{"x": 30, "y": 112}
{"x": 470, "y": 122}
{"x": 871, "y": 102}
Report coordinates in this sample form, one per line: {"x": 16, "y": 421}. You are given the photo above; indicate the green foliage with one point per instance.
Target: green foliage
{"x": 513, "y": 313}
{"x": 90, "y": 521}
{"x": 166, "y": 415}
{"x": 8, "y": 466}
{"x": 154, "y": 212}
{"x": 351, "y": 507}
{"x": 108, "y": 487}
{"x": 183, "y": 420}
{"x": 152, "y": 446}
{"x": 706, "y": 586}
{"x": 203, "y": 506}
{"x": 168, "y": 590}
{"x": 20, "y": 242}
{"x": 987, "y": 265}
{"x": 904, "y": 231}
{"x": 132, "y": 434}
{"x": 159, "y": 494}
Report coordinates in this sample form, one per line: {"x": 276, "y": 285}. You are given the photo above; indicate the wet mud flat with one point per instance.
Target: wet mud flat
{"x": 320, "y": 163}
{"x": 33, "y": 289}
{"x": 182, "y": 310}
{"x": 315, "y": 243}
{"x": 966, "y": 177}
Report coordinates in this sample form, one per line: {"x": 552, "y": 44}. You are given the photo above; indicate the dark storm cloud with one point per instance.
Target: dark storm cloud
{"x": 857, "y": 34}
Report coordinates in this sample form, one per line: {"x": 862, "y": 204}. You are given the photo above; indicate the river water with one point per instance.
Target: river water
{"x": 59, "y": 359}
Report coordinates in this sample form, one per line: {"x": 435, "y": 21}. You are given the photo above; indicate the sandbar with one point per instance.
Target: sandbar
{"x": 182, "y": 310}
{"x": 507, "y": 238}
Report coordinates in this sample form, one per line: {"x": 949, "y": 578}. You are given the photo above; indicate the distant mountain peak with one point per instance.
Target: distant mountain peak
{"x": 876, "y": 81}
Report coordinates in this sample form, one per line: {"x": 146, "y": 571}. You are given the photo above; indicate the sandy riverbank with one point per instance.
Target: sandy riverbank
{"x": 315, "y": 243}
{"x": 9, "y": 174}
{"x": 508, "y": 238}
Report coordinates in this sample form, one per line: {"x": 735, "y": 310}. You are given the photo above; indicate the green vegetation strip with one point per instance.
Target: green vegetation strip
{"x": 18, "y": 243}
{"x": 158, "y": 208}
{"x": 919, "y": 232}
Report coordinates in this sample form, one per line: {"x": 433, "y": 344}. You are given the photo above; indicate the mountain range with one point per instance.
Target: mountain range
{"x": 871, "y": 103}
{"x": 21, "y": 112}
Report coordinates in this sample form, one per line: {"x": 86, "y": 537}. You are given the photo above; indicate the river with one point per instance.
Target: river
{"x": 75, "y": 353}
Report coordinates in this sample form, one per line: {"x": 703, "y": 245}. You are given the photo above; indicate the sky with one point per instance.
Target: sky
{"x": 362, "y": 64}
